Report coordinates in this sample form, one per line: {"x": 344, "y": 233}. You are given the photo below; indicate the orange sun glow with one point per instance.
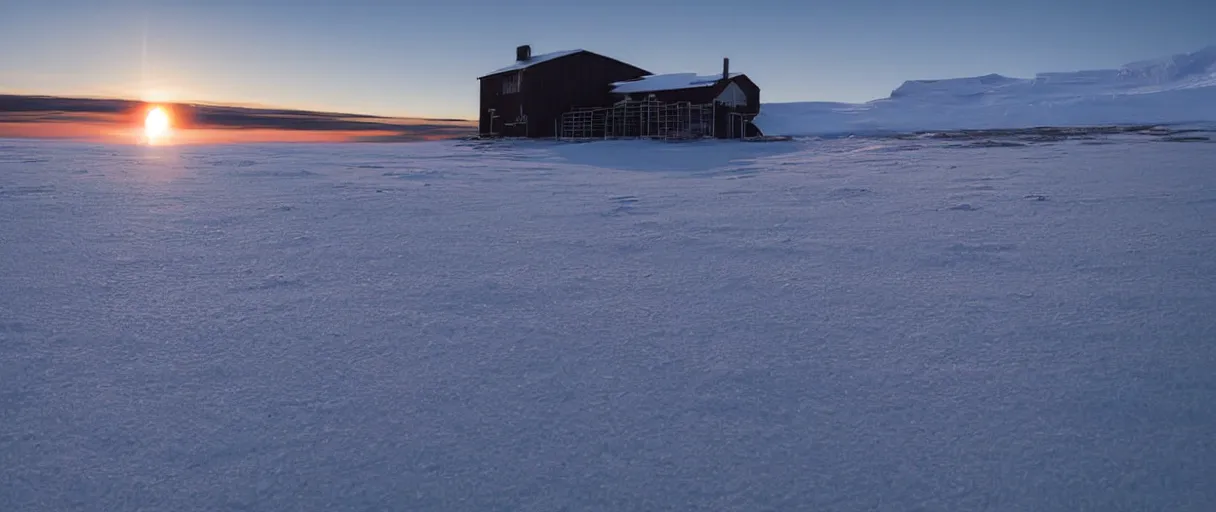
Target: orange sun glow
{"x": 157, "y": 125}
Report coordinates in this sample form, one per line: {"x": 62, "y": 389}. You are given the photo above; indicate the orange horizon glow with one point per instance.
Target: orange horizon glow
{"x": 158, "y": 127}
{"x": 109, "y": 134}
{"x": 174, "y": 124}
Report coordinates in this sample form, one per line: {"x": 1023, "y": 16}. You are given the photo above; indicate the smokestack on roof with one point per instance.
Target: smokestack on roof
{"x": 725, "y": 68}
{"x": 523, "y": 53}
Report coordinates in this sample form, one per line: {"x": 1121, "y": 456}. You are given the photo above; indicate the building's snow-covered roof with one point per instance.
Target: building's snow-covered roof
{"x": 669, "y": 82}
{"x": 536, "y": 59}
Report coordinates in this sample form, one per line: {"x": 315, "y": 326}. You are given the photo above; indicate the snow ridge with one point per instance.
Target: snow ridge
{"x": 1177, "y": 68}
{"x": 1176, "y": 89}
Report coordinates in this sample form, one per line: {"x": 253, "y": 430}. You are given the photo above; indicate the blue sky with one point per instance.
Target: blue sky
{"x": 421, "y": 58}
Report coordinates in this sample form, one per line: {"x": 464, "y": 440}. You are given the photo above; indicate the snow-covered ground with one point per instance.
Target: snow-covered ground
{"x": 858, "y": 324}
{"x": 1175, "y": 89}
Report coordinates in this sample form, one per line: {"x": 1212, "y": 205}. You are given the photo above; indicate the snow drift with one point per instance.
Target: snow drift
{"x": 471, "y": 326}
{"x": 1177, "y": 89}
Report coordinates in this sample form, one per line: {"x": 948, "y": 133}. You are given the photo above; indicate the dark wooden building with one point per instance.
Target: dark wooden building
{"x": 527, "y": 98}
{"x": 582, "y": 95}
{"x": 733, "y": 97}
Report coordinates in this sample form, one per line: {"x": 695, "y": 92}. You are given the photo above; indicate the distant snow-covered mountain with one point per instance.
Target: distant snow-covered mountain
{"x": 1176, "y": 89}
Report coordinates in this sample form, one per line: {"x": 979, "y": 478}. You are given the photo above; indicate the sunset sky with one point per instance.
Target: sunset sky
{"x": 421, "y": 58}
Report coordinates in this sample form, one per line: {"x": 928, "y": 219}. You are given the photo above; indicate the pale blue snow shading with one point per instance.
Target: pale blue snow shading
{"x": 450, "y": 326}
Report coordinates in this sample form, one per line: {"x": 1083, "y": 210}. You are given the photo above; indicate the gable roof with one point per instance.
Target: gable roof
{"x": 547, "y": 57}
{"x": 668, "y": 82}
{"x": 536, "y": 59}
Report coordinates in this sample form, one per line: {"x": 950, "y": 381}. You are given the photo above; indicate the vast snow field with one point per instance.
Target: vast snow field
{"x": 1175, "y": 89}
{"x": 855, "y": 324}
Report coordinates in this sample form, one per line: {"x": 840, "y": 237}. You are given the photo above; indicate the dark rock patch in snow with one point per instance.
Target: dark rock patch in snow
{"x": 272, "y": 283}
{"x": 992, "y": 144}
{"x": 982, "y": 247}
{"x": 849, "y": 193}
{"x": 26, "y": 190}
{"x": 736, "y": 192}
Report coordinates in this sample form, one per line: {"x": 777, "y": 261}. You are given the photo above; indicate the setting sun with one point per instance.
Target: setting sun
{"x": 156, "y": 125}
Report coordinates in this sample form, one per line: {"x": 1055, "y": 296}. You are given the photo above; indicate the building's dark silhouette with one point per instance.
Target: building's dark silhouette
{"x": 527, "y": 98}
{"x": 580, "y": 94}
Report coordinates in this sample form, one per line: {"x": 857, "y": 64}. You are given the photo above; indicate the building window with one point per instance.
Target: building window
{"x": 510, "y": 84}
{"x": 733, "y": 96}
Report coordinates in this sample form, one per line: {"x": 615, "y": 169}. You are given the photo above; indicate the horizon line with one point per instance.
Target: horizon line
{"x": 222, "y": 104}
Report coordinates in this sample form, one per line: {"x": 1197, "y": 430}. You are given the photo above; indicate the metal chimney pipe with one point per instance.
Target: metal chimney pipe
{"x": 725, "y": 68}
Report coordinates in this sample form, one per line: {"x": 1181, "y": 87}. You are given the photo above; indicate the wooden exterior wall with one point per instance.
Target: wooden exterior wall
{"x": 549, "y": 89}
{"x": 505, "y": 106}
{"x": 723, "y": 116}
{"x": 753, "y": 103}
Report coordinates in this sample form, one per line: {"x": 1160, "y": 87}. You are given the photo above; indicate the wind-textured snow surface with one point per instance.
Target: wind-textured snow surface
{"x": 856, "y": 324}
{"x": 1176, "y": 89}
